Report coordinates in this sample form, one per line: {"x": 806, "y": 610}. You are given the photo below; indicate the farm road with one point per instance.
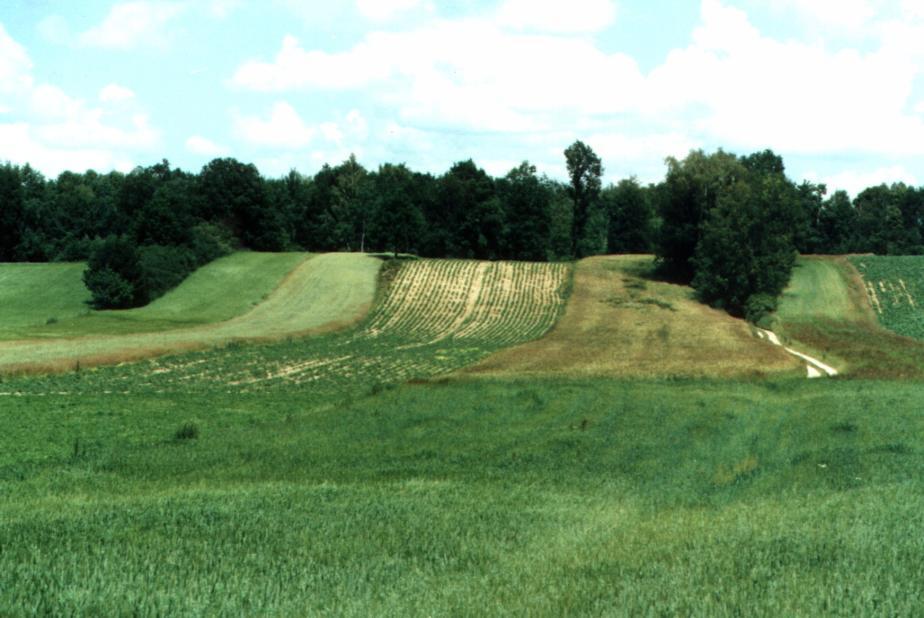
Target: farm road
{"x": 814, "y": 367}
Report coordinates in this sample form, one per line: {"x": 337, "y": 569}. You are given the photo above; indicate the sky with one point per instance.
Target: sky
{"x": 835, "y": 86}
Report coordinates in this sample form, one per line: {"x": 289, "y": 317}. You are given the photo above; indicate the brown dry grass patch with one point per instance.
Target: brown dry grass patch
{"x": 621, "y": 322}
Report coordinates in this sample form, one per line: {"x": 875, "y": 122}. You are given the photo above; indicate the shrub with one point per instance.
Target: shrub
{"x": 758, "y": 307}
{"x": 114, "y": 275}
{"x": 186, "y": 431}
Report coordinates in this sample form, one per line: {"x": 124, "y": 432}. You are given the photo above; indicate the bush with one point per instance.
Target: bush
{"x": 758, "y": 307}
{"x": 186, "y": 431}
{"x": 114, "y": 276}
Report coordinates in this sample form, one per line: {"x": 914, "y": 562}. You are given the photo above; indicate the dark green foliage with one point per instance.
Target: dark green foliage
{"x": 746, "y": 244}
{"x": 398, "y": 222}
{"x": 110, "y": 289}
{"x": 691, "y": 189}
{"x": 473, "y": 216}
{"x": 836, "y": 224}
{"x": 759, "y": 306}
{"x": 164, "y": 267}
{"x": 11, "y": 211}
{"x": 114, "y": 275}
{"x": 584, "y": 171}
{"x": 528, "y": 200}
{"x": 738, "y": 217}
{"x": 186, "y": 431}
{"x": 209, "y": 241}
{"x": 167, "y": 218}
{"x": 631, "y": 218}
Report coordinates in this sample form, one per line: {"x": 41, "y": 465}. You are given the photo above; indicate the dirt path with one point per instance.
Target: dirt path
{"x": 814, "y": 367}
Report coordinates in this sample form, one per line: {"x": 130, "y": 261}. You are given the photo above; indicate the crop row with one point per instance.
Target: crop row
{"x": 895, "y": 288}
{"x": 435, "y": 317}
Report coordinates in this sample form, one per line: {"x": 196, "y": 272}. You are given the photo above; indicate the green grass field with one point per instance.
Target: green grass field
{"x": 221, "y": 290}
{"x": 33, "y": 294}
{"x": 825, "y": 312}
{"x": 358, "y": 473}
{"x": 895, "y": 287}
{"x": 529, "y": 497}
{"x": 322, "y": 292}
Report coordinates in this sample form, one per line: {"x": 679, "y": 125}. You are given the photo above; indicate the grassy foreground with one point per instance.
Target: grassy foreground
{"x": 488, "y": 497}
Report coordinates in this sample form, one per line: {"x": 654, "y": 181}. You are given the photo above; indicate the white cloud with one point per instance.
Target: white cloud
{"x": 850, "y": 15}
{"x": 114, "y": 93}
{"x": 54, "y": 131}
{"x": 750, "y": 91}
{"x": 19, "y": 145}
{"x": 133, "y": 24}
{"x": 505, "y": 83}
{"x": 15, "y": 65}
{"x": 557, "y": 16}
{"x": 199, "y": 145}
{"x": 284, "y": 128}
{"x": 384, "y": 9}
{"x": 223, "y": 8}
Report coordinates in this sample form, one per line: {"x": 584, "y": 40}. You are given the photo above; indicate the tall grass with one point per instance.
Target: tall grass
{"x": 488, "y": 497}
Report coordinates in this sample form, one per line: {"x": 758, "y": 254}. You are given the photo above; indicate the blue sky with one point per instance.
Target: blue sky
{"x": 836, "y": 86}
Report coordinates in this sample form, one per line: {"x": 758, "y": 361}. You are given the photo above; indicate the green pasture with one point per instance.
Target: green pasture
{"x": 218, "y": 291}
{"x": 321, "y": 290}
{"x": 33, "y": 294}
{"x": 551, "y": 497}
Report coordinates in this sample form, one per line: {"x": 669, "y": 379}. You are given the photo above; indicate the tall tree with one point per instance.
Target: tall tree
{"x": 585, "y": 171}
{"x": 690, "y": 190}
{"x": 11, "y": 211}
{"x": 398, "y": 222}
{"x": 527, "y": 199}
{"x": 631, "y": 217}
{"x": 471, "y": 211}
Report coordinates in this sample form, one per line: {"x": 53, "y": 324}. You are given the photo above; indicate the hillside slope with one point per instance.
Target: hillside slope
{"x": 34, "y": 294}
{"x": 825, "y": 312}
{"x": 622, "y": 322}
{"x": 220, "y": 290}
{"x": 321, "y": 293}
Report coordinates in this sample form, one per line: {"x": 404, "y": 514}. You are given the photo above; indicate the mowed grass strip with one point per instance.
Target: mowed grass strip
{"x": 529, "y": 497}
{"x": 325, "y": 292}
{"x": 620, "y": 321}
{"x": 826, "y": 312}
{"x": 32, "y": 295}
{"x": 220, "y": 290}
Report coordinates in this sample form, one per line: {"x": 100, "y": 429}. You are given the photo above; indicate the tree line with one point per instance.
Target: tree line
{"x": 730, "y": 225}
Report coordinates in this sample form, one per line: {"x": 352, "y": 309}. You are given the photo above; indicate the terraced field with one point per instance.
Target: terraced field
{"x": 895, "y": 288}
{"x": 325, "y": 292}
{"x": 433, "y": 317}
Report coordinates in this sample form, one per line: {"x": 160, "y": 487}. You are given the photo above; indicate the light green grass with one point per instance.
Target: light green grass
{"x": 826, "y": 313}
{"x": 322, "y": 292}
{"x": 549, "y": 497}
{"x": 218, "y": 291}
{"x": 33, "y": 294}
{"x": 817, "y": 289}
